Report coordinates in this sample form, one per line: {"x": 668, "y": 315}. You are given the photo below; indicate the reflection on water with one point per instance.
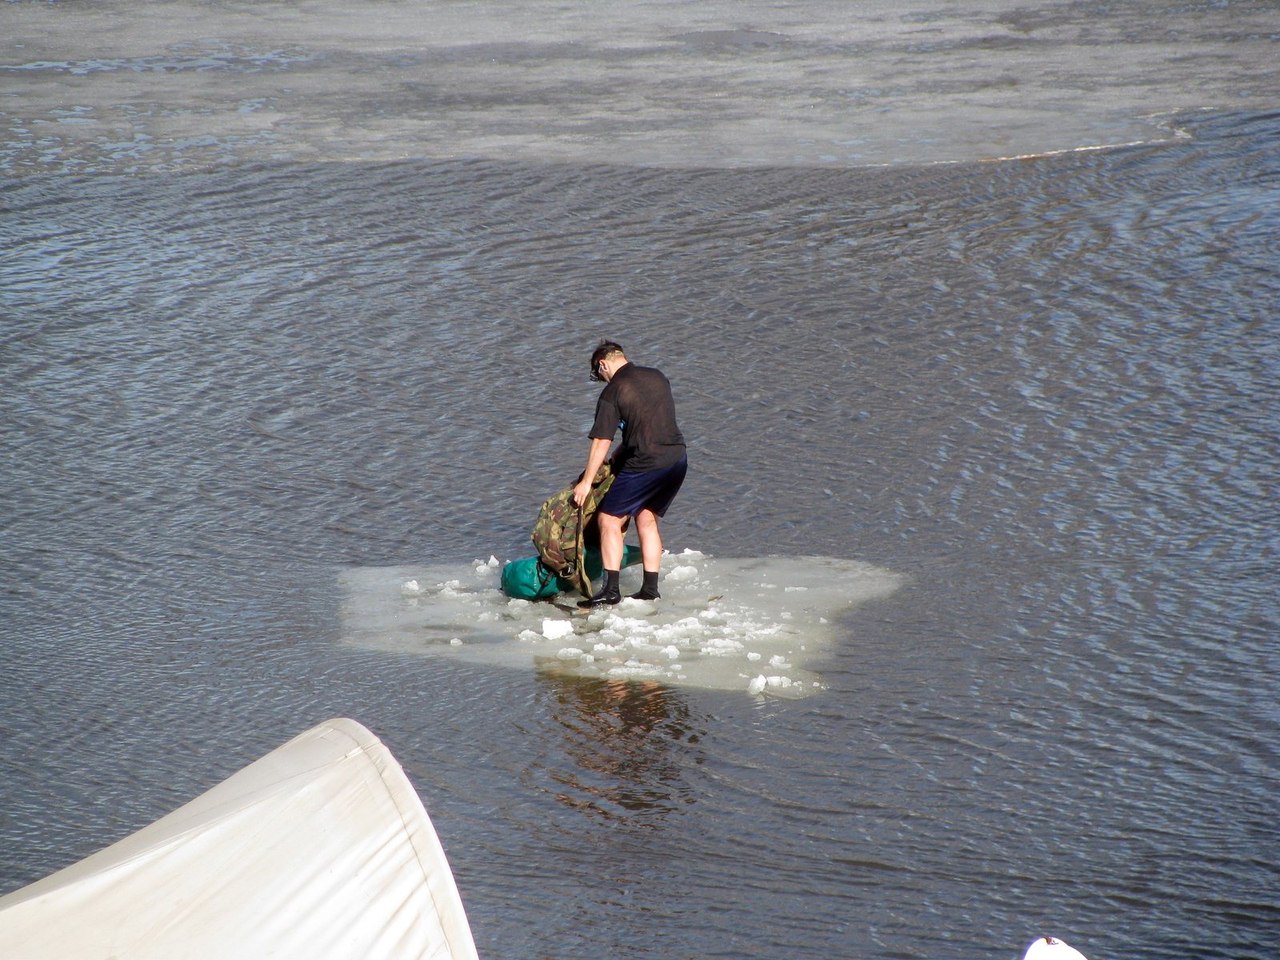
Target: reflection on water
{"x": 629, "y": 742}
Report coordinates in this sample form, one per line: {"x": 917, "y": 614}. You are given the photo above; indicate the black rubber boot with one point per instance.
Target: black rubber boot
{"x": 609, "y": 592}
{"x": 649, "y": 591}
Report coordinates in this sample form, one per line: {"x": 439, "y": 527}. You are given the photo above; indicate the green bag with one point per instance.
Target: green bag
{"x": 564, "y": 561}
{"x": 528, "y": 579}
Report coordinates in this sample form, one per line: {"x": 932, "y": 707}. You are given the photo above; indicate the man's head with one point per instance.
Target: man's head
{"x": 607, "y": 353}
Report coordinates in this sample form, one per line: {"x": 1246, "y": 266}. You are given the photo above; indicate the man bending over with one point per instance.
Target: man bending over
{"x": 649, "y": 464}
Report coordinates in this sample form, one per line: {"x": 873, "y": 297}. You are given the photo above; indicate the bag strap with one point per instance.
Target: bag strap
{"x": 584, "y": 582}
{"x": 544, "y": 575}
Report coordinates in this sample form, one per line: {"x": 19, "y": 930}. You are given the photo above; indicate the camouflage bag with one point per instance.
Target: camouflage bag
{"x": 558, "y": 532}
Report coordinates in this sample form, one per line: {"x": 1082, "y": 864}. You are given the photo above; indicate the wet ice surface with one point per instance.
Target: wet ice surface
{"x": 181, "y": 86}
{"x": 759, "y": 625}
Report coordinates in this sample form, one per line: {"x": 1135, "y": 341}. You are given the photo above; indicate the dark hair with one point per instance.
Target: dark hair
{"x": 606, "y": 349}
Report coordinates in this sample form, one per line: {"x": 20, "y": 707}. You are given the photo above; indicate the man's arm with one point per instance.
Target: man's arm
{"x": 595, "y": 458}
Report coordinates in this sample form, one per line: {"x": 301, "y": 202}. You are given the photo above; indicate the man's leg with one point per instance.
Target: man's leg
{"x": 650, "y": 552}
{"x": 650, "y": 540}
{"x": 611, "y": 535}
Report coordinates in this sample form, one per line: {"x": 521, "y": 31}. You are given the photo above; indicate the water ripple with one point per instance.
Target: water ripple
{"x": 1042, "y": 390}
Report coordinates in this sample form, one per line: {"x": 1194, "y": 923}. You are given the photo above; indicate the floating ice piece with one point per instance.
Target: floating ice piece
{"x": 719, "y": 623}
{"x": 636, "y": 670}
{"x": 773, "y": 684}
{"x": 569, "y": 653}
{"x": 685, "y": 627}
{"x": 411, "y": 588}
{"x": 721, "y": 647}
{"x": 555, "y": 629}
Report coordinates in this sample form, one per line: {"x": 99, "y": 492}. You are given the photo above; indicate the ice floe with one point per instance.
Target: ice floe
{"x": 760, "y": 625}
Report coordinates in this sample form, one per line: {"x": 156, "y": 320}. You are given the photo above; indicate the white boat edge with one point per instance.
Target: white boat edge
{"x": 320, "y": 849}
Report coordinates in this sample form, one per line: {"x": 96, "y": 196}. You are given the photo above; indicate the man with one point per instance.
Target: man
{"x": 649, "y": 465}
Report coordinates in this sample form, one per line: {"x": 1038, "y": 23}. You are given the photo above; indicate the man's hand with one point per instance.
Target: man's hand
{"x": 595, "y": 458}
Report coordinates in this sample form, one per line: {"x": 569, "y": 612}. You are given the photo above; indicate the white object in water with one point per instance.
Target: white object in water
{"x": 1050, "y": 948}
{"x": 722, "y": 623}
{"x": 321, "y": 849}
{"x": 556, "y": 629}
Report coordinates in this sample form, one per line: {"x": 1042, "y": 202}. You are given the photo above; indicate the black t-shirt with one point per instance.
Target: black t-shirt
{"x": 639, "y": 400}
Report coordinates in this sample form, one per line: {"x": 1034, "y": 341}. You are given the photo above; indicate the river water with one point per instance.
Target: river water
{"x": 296, "y": 293}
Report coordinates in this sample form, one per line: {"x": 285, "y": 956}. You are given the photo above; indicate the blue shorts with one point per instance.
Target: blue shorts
{"x": 653, "y": 490}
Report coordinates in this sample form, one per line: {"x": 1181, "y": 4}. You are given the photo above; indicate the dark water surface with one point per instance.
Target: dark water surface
{"x": 1044, "y": 390}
